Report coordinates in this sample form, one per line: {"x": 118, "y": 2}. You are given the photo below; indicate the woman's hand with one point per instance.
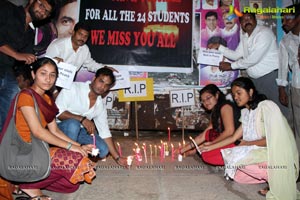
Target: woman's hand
{"x": 79, "y": 149}
{"x": 206, "y": 146}
{"x": 88, "y": 148}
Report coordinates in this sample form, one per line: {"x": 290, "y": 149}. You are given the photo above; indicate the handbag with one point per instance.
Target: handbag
{"x": 22, "y": 161}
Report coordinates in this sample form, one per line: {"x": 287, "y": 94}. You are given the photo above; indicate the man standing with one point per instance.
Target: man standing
{"x": 289, "y": 60}
{"x": 83, "y": 114}
{"x": 73, "y": 50}
{"x": 257, "y": 52}
{"x": 16, "y": 44}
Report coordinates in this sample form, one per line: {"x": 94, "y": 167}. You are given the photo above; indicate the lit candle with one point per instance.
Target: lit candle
{"x": 166, "y": 149}
{"x": 94, "y": 140}
{"x": 145, "y": 154}
{"x": 172, "y": 152}
{"x": 169, "y": 134}
{"x": 119, "y": 148}
{"x": 129, "y": 160}
{"x": 95, "y": 151}
{"x": 138, "y": 154}
{"x": 151, "y": 154}
{"x": 161, "y": 152}
{"x": 155, "y": 150}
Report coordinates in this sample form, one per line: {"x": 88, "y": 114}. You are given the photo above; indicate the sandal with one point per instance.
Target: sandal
{"x": 41, "y": 197}
{"x": 263, "y": 192}
{"x": 17, "y": 190}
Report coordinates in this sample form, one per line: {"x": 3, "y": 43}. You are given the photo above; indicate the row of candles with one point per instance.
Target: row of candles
{"x": 162, "y": 150}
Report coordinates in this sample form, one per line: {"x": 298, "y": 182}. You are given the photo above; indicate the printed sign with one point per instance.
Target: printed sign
{"x": 66, "y": 73}
{"x": 180, "y": 98}
{"x": 141, "y": 89}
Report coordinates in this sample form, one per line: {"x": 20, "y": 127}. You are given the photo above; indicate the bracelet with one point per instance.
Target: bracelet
{"x": 82, "y": 119}
{"x": 69, "y": 146}
{"x": 117, "y": 158}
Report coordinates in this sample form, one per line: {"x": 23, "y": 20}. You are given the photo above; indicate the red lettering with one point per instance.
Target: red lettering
{"x": 97, "y": 37}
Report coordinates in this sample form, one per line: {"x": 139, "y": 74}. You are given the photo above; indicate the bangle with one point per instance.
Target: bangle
{"x": 69, "y": 146}
{"x": 82, "y": 119}
{"x": 117, "y": 158}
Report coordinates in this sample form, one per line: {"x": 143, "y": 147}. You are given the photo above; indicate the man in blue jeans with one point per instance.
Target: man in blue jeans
{"x": 16, "y": 44}
{"x": 82, "y": 113}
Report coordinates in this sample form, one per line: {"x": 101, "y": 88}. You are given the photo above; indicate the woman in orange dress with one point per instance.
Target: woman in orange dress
{"x": 70, "y": 164}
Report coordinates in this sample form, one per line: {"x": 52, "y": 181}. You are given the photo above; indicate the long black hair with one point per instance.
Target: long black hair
{"x": 216, "y": 119}
{"x": 247, "y": 84}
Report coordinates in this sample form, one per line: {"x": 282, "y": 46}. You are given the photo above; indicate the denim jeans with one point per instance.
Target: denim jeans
{"x": 8, "y": 90}
{"x": 72, "y": 128}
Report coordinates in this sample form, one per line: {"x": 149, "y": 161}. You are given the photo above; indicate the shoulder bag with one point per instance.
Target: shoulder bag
{"x": 21, "y": 161}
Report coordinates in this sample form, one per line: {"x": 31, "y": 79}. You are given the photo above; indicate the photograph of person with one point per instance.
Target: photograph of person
{"x": 211, "y": 27}
{"x": 209, "y": 4}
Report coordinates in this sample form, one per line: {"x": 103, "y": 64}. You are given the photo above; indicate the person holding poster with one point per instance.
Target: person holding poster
{"x": 73, "y": 50}
{"x": 223, "y": 122}
{"x": 82, "y": 113}
{"x": 255, "y": 53}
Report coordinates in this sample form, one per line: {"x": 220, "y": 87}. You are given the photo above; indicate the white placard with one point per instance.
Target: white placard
{"x": 108, "y": 100}
{"x": 122, "y": 80}
{"x": 66, "y": 73}
{"x": 137, "y": 89}
{"x": 209, "y": 57}
{"x": 180, "y": 98}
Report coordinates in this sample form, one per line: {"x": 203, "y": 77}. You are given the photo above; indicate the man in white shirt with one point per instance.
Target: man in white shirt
{"x": 257, "y": 53}
{"x": 289, "y": 50}
{"x": 82, "y": 113}
{"x": 211, "y": 28}
{"x": 73, "y": 50}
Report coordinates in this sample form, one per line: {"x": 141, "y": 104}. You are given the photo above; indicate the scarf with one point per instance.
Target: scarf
{"x": 49, "y": 111}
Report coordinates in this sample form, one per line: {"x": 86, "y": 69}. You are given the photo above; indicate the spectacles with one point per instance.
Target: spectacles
{"x": 206, "y": 99}
{"x": 43, "y": 7}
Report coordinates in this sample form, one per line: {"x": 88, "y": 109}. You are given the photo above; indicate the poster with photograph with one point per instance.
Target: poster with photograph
{"x": 216, "y": 26}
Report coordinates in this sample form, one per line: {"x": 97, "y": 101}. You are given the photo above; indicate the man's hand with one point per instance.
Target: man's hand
{"x": 27, "y": 57}
{"x": 58, "y": 59}
{"x": 283, "y": 97}
{"x": 225, "y": 66}
{"x": 89, "y": 126}
{"x": 112, "y": 69}
{"x": 122, "y": 161}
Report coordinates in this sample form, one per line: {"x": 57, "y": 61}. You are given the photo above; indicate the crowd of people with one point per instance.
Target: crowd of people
{"x": 244, "y": 135}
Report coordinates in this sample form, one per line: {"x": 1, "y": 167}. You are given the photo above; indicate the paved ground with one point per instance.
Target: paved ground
{"x": 161, "y": 179}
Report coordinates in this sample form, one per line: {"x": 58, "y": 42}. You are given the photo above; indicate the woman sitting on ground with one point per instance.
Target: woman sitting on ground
{"x": 267, "y": 151}
{"x": 44, "y": 73}
{"x": 223, "y": 122}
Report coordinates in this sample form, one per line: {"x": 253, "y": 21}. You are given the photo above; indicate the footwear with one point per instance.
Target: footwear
{"x": 17, "y": 190}
{"x": 41, "y": 197}
{"x": 263, "y": 192}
